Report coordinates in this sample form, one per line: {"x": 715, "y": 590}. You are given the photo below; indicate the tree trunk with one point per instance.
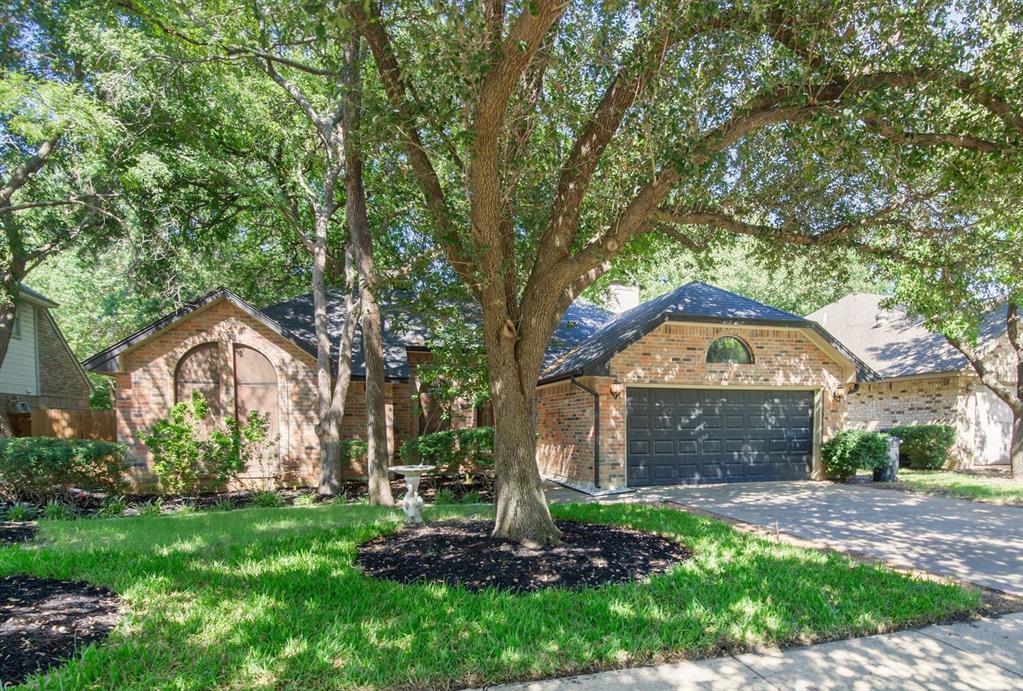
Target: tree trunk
{"x": 513, "y": 363}
{"x": 362, "y": 245}
{"x": 9, "y": 285}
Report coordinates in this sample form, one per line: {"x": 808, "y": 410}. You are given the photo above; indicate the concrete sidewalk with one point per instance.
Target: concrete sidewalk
{"x": 985, "y": 654}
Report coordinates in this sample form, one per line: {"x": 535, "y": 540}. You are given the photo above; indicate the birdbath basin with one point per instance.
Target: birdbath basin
{"x": 412, "y": 504}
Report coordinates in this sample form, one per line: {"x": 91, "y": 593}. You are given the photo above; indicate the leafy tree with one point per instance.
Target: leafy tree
{"x": 548, "y": 136}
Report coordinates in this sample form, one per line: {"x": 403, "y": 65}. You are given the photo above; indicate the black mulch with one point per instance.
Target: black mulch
{"x": 463, "y": 553}
{"x": 12, "y": 533}
{"x": 43, "y": 622}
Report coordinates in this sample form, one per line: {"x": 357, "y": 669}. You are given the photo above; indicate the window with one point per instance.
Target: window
{"x": 199, "y": 370}
{"x": 731, "y": 350}
{"x": 16, "y": 327}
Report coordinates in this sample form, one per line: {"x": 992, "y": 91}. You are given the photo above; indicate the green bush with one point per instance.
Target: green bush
{"x": 191, "y": 452}
{"x": 438, "y": 448}
{"x": 852, "y": 450}
{"x": 266, "y": 499}
{"x": 354, "y": 451}
{"x": 476, "y": 447}
{"x": 153, "y": 507}
{"x": 444, "y": 497}
{"x": 20, "y": 512}
{"x": 39, "y": 468}
{"x": 55, "y": 510}
{"x": 924, "y": 447}
{"x": 452, "y": 450}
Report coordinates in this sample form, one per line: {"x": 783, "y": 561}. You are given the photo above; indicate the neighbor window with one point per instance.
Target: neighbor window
{"x": 729, "y": 349}
{"x": 16, "y": 326}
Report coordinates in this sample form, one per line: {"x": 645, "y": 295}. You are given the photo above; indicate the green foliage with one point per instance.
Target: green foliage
{"x": 470, "y": 449}
{"x": 852, "y": 450}
{"x": 224, "y": 504}
{"x": 153, "y": 507}
{"x": 266, "y": 499}
{"x": 102, "y": 397}
{"x": 55, "y": 510}
{"x": 112, "y": 507}
{"x": 192, "y": 452}
{"x": 20, "y": 512}
{"x": 38, "y": 468}
{"x": 353, "y": 451}
{"x": 924, "y": 447}
{"x": 471, "y": 497}
{"x": 308, "y": 499}
{"x": 444, "y": 497}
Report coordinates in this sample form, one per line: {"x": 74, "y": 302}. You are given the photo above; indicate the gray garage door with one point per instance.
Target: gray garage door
{"x": 689, "y": 436}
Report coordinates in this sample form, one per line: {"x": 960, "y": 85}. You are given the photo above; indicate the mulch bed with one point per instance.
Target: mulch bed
{"x": 463, "y": 553}
{"x": 12, "y": 533}
{"x": 44, "y": 621}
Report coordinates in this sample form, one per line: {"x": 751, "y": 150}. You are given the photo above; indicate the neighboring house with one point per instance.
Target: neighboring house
{"x": 923, "y": 379}
{"x": 39, "y": 370}
{"x": 698, "y": 385}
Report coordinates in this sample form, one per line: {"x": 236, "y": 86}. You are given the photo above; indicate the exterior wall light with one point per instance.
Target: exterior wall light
{"x": 616, "y": 388}
{"x": 840, "y": 392}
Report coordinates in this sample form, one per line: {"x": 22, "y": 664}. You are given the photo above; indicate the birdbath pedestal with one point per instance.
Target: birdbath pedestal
{"x": 412, "y": 504}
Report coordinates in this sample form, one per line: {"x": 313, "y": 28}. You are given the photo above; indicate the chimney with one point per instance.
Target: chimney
{"x": 622, "y": 298}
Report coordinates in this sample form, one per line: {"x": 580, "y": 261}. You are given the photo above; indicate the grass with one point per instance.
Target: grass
{"x": 991, "y": 490}
{"x": 269, "y": 598}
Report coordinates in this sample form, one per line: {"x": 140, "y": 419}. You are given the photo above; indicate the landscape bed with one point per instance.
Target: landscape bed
{"x": 274, "y": 597}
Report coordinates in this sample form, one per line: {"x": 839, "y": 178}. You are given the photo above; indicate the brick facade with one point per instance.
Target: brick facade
{"x": 674, "y": 354}
{"x": 145, "y": 390}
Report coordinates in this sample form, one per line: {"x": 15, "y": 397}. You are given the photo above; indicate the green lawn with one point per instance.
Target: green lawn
{"x": 270, "y": 598}
{"x": 992, "y": 490}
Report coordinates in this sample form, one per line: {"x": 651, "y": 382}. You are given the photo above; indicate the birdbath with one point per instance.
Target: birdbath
{"x": 412, "y": 503}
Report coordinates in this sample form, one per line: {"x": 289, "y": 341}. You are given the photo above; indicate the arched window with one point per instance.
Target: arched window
{"x": 255, "y": 385}
{"x": 730, "y": 350}
{"x": 199, "y": 370}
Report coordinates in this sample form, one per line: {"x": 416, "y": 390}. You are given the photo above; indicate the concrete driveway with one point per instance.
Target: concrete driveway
{"x": 975, "y": 542}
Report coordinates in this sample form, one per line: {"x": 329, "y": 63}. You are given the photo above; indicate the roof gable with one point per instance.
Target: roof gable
{"x": 894, "y": 342}
{"x": 696, "y": 301}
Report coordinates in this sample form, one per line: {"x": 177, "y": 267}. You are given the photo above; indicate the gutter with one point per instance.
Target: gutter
{"x": 596, "y": 430}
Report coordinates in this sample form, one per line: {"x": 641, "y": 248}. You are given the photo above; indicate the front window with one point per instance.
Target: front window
{"x": 729, "y": 350}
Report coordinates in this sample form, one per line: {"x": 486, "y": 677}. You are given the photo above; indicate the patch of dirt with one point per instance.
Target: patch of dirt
{"x": 463, "y": 553}
{"x": 45, "y": 621}
{"x": 12, "y": 533}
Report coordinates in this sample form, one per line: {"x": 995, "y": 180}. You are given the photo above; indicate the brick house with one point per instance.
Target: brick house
{"x": 40, "y": 369}
{"x": 698, "y": 385}
{"x": 924, "y": 380}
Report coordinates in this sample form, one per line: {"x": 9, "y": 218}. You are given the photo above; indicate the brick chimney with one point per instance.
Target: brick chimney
{"x": 622, "y": 298}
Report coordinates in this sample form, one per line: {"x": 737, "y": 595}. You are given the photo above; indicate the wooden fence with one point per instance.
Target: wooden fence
{"x": 74, "y": 424}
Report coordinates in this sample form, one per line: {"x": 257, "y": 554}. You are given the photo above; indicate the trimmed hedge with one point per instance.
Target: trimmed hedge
{"x": 38, "y": 468}
{"x": 452, "y": 451}
{"x": 851, "y": 450}
{"x": 924, "y": 447}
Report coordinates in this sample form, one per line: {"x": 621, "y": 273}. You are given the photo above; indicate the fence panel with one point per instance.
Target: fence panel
{"x": 74, "y": 424}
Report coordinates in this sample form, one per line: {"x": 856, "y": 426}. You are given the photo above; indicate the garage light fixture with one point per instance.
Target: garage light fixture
{"x": 616, "y": 388}
{"x": 840, "y": 392}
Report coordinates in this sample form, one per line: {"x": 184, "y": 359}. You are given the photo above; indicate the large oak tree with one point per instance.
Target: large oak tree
{"x": 547, "y": 135}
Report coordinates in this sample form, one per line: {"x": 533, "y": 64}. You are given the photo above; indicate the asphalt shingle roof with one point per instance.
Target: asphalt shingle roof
{"x": 696, "y": 301}
{"x": 893, "y": 342}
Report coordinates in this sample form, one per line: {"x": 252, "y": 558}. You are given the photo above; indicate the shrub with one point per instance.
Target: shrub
{"x": 20, "y": 512}
{"x": 471, "y": 497}
{"x": 112, "y": 507}
{"x": 57, "y": 511}
{"x": 266, "y": 499}
{"x": 39, "y": 468}
{"x": 354, "y": 451}
{"x": 191, "y": 452}
{"x": 305, "y": 500}
{"x": 153, "y": 507}
{"x": 224, "y": 504}
{"x": 444, "y": 497}
{"x": 437, "y": 448}
{"x": 924, "y": 447}
{"x": 852, "y": 450}
{"x": 476, "y": 447}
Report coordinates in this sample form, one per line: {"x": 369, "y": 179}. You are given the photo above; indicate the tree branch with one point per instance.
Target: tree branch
{"x": 27, "y": 169}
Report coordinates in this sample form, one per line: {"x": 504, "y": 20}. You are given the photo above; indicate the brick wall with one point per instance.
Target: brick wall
{"x": 675, "y": 354}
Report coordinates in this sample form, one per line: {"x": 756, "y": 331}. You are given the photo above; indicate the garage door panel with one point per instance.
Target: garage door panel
{"x": 718, "y": 435}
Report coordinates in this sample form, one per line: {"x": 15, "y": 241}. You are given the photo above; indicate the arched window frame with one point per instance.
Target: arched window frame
{"x": 741, "y": 341}
{"x": 215, "y": 402}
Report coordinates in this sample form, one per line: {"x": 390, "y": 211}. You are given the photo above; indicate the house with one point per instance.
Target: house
{"x": 40, "y": 370}
{"x": 923, "y": 379}
{"x": 243, "y": 359}
{"x": 698, "y": 385}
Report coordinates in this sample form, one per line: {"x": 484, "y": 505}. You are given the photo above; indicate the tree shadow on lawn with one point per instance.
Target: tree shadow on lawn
{"x": 294, "y": 611}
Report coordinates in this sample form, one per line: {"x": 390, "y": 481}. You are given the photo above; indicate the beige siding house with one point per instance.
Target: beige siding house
{"x": 923, "y": 379}
{"x": 39, "y": 370}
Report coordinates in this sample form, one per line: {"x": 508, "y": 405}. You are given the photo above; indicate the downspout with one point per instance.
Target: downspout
{"x": 596, "y": 430}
